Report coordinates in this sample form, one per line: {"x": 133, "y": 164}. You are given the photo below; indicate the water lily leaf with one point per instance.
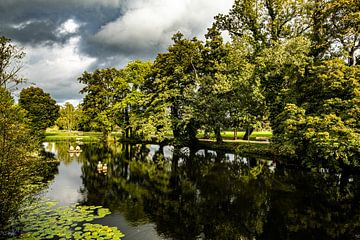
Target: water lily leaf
{"x": 46, "y": 221}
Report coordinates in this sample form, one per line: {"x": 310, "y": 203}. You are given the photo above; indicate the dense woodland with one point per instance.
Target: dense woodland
{"x": 294, "y": 64}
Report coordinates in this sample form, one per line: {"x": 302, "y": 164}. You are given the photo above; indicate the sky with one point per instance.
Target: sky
{"x": 64, "y": 38}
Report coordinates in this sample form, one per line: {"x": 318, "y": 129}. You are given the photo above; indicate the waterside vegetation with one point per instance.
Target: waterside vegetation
{"x": 291, "y": 67}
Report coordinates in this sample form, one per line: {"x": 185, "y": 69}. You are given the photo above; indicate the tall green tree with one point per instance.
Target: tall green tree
{"x": 41, "y": 108}
{"x": 325, "y": 129}
{"x": 299, "y": 49}
{"x": 69, "y": 117}
{"x": 129, "y": 97}
{"x": 247, "y": 100}
{"x": 261, "y": 23}
{"x": 97, "y": 104}
{"x": 333, "y": 29}
{"x": 17, "y": 159}
{"x": 212, "y": 102}
{"x": 172, "y": 86}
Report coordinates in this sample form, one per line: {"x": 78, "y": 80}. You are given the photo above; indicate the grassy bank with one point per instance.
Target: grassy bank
{"x": 59, "y": 135}
{"x": 241, "y": 147}
{"x": 62, "y": 135}
{"x": 229, "y": 135}
{"x": 253, "y": 146}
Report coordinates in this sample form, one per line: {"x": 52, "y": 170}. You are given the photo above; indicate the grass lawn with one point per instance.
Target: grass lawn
{"x": 252, "y": 146}
{"x": 229, "y": 135}
{"x": 61, "y": 135}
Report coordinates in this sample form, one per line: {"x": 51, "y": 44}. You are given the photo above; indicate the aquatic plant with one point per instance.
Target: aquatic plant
{"x": 46, "y": 220}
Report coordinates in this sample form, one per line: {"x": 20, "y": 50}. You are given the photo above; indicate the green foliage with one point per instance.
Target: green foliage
{"x": 261, "y": 23}
{"x": 43, "y": 220}
{"x": 18, "y": 158}
{"x": 171, "y": 89}
{"x": 290, "y": 62}
{"x": 212, "y": 99}
{"x": 129, "y": 98}
{"x": 69, "y": 117}
{"x": 22, "y": 171}
{"x": 326, "y": 126}
{"x": 61, "y": 135}
{"x": 41, "y": 109}
{"x": 97, "y": 105}
{"x": 280, "y": 69}
{"x": 299, "y": 50}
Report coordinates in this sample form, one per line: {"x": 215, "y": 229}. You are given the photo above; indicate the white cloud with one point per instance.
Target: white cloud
{"x": 23, "y": 25}
{"x": 149, "y": 25}
{"x": 68, "y": 27}
{"x": 56, "y": 68}
{"x": 74, "y": 102}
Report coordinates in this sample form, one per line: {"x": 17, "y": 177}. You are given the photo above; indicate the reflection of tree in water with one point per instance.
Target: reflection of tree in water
{"x": 314, "y": 206}
{"x": 194, "y": 195}
{"x": 46, "y": 168}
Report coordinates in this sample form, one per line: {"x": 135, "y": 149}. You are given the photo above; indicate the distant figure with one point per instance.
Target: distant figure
{"x": 77, "y": 148}
{"x": 99, "y": 167}
{"x": 104, "y": 168}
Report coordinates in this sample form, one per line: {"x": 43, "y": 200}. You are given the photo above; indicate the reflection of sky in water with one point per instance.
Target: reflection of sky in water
{"x": 66, "y": 186}
{"x": 168, "y": 151}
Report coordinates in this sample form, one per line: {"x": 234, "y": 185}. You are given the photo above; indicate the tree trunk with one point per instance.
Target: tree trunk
{"x": 127, "y": 123}
{"x": 191, "y": 131}
{"x": 235, "y": 134}
{"x": 218, "y": 135}
{"x": 176, "y": 133}
{"x": 206, "y": 134}
{"x": 105, "y": 135}
{"x": 248, "y": 132}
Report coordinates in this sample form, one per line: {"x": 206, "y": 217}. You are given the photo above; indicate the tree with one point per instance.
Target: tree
{"x": 334, "y": 29}
{"x": 325, "y": 129}
{"x": 41, "y": 108}
{"x": 296, "y": 47}
{"x": 99, "y": 99}
{"x": 10, "y": 63}
{"x": 172, "y": 86}
{"x": 212, "y": 97}
{"x": 69, "y": 117}
{"x": 129, "y": 97}
{"x": 261, "y": 23}
{"x": 17, "y": 159}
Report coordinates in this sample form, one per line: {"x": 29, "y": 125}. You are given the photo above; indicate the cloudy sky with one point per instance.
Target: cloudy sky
{"x": 64, "y": 38}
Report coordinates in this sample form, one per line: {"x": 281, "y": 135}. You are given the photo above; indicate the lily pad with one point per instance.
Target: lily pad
{"x": 46, "y": 221}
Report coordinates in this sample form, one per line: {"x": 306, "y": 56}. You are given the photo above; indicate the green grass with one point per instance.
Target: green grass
{"x": 60, "y": 135}
{"x": 239, "y": 145}
{"x": 229, "y": 135}
{"x": 53, "y": 135}
{"x": 244, "y": 148}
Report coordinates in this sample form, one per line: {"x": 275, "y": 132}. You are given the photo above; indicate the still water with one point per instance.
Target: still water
{"x": 158, "y": 192}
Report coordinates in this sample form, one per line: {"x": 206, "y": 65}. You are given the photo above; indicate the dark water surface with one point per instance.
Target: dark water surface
{"x": 167, "y": 193}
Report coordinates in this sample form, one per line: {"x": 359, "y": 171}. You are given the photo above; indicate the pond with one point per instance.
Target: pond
{"x": 158, "y": 192}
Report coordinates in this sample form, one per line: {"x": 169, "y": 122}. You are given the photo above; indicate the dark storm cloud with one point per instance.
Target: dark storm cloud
{"x": 64, "y": 38}
{"x": 36, "y": 21}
